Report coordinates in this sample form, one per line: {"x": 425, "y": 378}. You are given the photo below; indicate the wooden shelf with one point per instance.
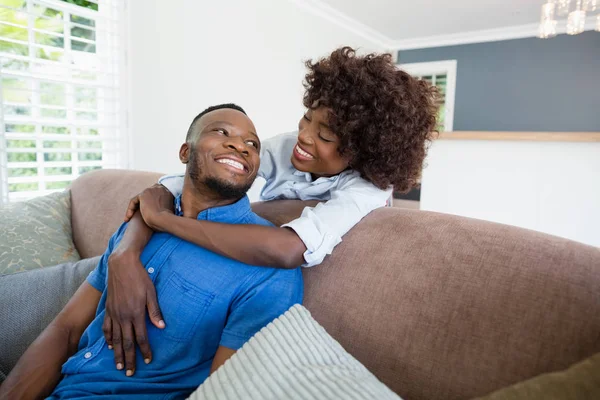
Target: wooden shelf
{"x": 522, "y": 136}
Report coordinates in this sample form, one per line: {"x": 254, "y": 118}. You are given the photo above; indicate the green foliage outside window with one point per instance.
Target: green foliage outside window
{"x": 18, "y": 92}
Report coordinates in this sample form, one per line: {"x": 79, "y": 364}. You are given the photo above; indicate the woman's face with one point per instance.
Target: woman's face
{"x": 316, "y": 150}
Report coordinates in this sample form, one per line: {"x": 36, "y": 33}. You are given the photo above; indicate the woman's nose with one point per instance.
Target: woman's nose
{"x": 305, "y": 137}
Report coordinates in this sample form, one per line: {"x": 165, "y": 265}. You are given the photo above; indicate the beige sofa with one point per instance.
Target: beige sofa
{"x": 436, "y": 306}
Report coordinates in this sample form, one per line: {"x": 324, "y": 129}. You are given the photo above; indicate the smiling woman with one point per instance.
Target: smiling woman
{"x": 317, "y": 148}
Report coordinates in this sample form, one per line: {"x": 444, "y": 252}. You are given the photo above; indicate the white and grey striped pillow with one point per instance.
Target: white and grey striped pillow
{"x": 292, "y": 358}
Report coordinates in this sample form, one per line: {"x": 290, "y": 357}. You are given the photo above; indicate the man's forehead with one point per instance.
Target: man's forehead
{"x": 227, "y": 117}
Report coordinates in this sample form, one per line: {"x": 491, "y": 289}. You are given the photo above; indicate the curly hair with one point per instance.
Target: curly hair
{"x": 384, "y": 117}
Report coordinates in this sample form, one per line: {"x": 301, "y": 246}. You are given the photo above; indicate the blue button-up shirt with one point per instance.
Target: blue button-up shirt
{"x": 207, "y": 301}
{"x": 348, "y": 197}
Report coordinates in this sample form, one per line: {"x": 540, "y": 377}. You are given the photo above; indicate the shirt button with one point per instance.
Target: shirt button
{"x": 150, "y": 270}
{"x": 87, "y": 355}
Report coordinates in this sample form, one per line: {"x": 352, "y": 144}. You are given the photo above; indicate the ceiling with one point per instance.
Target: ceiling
{"x": 401, "y": 20}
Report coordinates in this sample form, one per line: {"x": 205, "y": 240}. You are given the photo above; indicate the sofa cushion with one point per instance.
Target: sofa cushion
{"x": 579, "y": 382}
{"x": 292, "y": 358}
{"x": 30, "y": 301}
{"x": 99, "y": 201}
{"x": 36, "y": 233}
{"x": 445, "y": 307}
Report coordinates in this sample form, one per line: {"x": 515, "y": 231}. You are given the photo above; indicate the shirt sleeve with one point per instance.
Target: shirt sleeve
{"x": 269, "y": 151}
{"x": 321, "y": 228}
{"x": 269, "y": 293}
{"x": 97, "y": 278}
{"x": 174, "y": 183}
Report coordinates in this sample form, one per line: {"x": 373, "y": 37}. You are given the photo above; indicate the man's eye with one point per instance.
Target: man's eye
{"x": 252, "y": 143}
{"x": 222, "y": 131}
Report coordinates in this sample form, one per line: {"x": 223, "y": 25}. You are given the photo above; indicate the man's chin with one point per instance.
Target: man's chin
{"x": 227, "y": 189}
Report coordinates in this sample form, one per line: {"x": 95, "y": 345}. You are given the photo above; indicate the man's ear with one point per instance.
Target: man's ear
{"x": 184, "y": 153}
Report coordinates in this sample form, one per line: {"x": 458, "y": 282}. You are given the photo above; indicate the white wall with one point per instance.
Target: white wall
{"x": 552, "y": 187}
{"x": 188, "y": 55}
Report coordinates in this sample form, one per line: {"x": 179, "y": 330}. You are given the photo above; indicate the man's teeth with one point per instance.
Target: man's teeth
{"x": 234, "y": 164}
{"x": 303, "y": 153}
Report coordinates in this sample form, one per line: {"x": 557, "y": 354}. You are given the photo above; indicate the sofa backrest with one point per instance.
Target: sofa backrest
{"x": 436, "y": 306}
{"x": 98, "y": 203}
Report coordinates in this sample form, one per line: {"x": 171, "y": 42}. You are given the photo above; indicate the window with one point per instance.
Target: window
{"x": 443, "y": 75}
{"x": 62, "y": 109}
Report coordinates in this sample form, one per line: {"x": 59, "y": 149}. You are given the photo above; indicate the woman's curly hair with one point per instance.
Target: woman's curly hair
{"x": 384, "y": 117}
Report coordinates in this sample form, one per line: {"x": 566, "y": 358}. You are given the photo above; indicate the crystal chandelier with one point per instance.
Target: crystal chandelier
{"x": 575, "y": 11}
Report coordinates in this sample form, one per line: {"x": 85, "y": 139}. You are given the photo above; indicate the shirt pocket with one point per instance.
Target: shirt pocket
{"x": 183, "y": 305}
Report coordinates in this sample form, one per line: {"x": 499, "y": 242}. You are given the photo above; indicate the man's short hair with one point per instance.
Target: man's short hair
{"x": 190, "y": 132}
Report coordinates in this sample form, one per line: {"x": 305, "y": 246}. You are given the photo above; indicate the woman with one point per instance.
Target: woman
{"x": 366, "y": 131}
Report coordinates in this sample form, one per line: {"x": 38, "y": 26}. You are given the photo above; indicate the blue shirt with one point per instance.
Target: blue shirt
{"x": 207, "y": 301}
{"x": 348, "y": 197}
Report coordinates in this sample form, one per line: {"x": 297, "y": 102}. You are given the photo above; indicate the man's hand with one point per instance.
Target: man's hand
{"x": 152, "y": 203}
{"x": 130, "y": 292}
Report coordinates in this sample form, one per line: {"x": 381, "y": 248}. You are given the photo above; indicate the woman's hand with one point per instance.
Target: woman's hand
{"x": 153, "y": 203}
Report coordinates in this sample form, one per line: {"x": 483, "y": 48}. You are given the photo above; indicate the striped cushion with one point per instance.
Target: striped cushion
{"x": 292, "y": 358}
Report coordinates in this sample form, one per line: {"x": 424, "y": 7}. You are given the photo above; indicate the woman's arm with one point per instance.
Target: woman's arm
{"x": 304, "y": 241}
{"x": 251, "y": 244}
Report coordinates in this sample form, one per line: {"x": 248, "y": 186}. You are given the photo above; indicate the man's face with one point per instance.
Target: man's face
{"x": 223, "y": 154}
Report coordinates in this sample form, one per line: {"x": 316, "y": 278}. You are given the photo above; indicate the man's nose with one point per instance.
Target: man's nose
{"x": 237, "y": 145}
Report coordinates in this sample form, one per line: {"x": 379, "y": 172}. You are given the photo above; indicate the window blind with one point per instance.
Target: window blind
{"x": 62, "y": 112}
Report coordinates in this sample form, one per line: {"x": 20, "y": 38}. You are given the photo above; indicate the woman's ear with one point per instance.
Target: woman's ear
{"x": 184, "y": 153}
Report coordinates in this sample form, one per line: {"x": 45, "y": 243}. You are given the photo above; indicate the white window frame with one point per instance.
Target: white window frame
{"x": 446, "y": 67}
{"x": 120, "y": 153}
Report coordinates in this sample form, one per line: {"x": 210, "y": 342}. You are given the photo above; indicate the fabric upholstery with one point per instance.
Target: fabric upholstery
{"x": 444, "y": 307}
{"x": 98, "y": 203}
{"x": 436, "y": 306}
{"x": 30, "y": 301}
{"x": 293, "y": 357}
{"x": 36, "y": 233}
{"x": 579, "y": 382}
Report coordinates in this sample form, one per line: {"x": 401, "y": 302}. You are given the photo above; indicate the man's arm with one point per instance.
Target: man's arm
{"x": 129, "y": 292}
{"x": 39, "y": 369}
{"x": 223, "y": 354}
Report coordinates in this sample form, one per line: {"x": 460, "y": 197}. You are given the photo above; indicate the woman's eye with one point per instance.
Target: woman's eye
{"x": 306, "y": 118}
{"x": 325, "y": 140}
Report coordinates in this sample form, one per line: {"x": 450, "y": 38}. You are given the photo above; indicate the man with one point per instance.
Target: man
{"x": 209, "y": 312}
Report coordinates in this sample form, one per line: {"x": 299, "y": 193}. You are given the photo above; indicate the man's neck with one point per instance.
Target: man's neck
{"x": 194, "y": 200}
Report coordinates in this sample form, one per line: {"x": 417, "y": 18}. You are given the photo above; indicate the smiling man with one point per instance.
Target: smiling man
{"x": 211, "y": 304}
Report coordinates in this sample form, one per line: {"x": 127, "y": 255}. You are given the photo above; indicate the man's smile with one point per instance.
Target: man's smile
{"x": 234, "y": 163}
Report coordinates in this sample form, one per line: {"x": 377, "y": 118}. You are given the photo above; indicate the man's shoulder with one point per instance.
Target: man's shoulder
{"x": 251, "y": 218}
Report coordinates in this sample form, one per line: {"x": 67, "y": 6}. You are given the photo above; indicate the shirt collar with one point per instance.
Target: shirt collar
{"x": 228, "y": 213}
{"x": 308, "y": 176}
